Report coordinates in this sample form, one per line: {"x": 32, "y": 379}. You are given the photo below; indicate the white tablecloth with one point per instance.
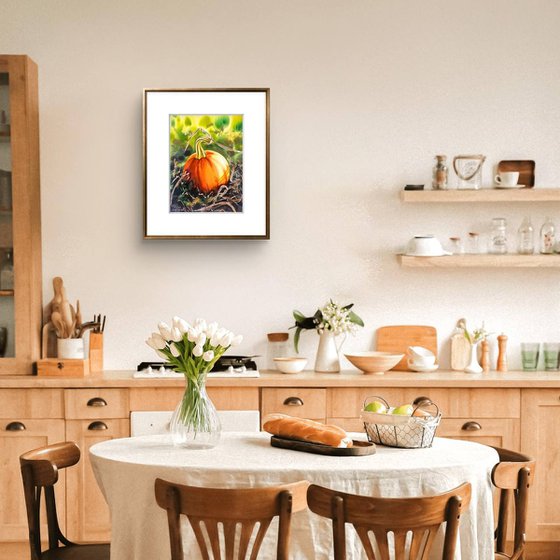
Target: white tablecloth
{"x": 127, "y": 468}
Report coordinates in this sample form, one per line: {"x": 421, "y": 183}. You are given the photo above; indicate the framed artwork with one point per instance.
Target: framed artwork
{"x": 206, "y": 164}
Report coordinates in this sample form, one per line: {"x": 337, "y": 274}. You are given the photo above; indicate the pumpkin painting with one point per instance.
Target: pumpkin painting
{"x": 206, "y": 163}
{"x": 208, "y": 172}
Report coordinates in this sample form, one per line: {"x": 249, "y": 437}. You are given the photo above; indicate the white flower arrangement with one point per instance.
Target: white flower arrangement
{"x": 191, "y": 349}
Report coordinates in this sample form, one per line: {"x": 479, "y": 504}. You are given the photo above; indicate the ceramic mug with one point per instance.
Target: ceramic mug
{"x": 507, "y": 178}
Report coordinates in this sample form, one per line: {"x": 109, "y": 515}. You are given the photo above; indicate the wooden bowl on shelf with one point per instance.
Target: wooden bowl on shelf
{"x": 374, "y": 362}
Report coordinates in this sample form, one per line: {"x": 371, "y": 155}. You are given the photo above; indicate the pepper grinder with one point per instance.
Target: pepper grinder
{"x": 485, "y": 358}
{"x": 502, "y": 357}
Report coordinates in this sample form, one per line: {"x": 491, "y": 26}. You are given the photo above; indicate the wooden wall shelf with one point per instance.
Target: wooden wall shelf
{"x": 482, "y": 261}
{"x": 483, "y": 195}
{"x": 6, "y": 293}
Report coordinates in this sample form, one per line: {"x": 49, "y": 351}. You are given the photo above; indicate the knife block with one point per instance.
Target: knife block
{"x": 96, "y": 352}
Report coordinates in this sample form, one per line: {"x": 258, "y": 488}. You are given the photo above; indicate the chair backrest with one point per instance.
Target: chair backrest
{"x": 39, "y": 470}
{"x": 208, "y": 508}
{"x": 413, "y": 522}
{"x": 513, "y": 477}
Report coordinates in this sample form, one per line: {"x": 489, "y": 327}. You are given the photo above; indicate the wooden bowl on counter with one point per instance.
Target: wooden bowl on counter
{"x": 374, "y": 362}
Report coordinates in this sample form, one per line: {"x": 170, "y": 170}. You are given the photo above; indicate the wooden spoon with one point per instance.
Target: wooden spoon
{"x": 56, "y": 320}
{"x": 58, "y": 288}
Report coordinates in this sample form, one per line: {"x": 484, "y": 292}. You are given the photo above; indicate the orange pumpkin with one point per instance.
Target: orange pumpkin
{"x": 208, "y": 172}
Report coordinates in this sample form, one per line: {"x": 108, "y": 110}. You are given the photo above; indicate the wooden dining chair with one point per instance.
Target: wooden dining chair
{"x": 39, "y": 470}
{"x": 513, "y": 477}
{"x": 414, "y": 519}
{"x": 212, "y": 507}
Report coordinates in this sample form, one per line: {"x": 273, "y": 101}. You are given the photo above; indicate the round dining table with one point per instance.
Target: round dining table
{"x": 127, "y": 468}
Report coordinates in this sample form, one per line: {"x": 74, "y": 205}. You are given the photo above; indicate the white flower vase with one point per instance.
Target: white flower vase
{"x": 327, "y": 359}
{"x": 474, "y": 366}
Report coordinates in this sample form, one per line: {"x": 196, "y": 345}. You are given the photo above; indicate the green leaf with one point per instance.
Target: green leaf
{"x": 298, "y": 315}
{"x": 355, "y": 319}
{"x": 296, "y": 339}
{"x": 347, "y": 307}
{"x": 205, "y": 121}
{"x": 318, "y": 316}
{"x": 221, "y": 121}
{"x": 237, "y": 122}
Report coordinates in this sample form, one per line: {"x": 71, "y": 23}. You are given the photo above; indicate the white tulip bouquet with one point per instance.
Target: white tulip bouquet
{"x": 192, "y": 350}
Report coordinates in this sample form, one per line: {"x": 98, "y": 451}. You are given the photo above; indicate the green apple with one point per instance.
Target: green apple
{"x": 376, "y": 406}
{"x": 403, "y": 410}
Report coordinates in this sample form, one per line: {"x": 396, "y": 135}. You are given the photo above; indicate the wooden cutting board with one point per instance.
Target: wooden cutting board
{"x": 398, "y": 338}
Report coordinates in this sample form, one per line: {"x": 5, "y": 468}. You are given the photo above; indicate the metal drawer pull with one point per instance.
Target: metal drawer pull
{"x": 471, "y": 426}
{"x": 421, "y": 400}
{"x": 97, "y": 401}
{"x": 293, "y": 401}
{"x": 97, "y": 426}
{"x": 15, "y": 427}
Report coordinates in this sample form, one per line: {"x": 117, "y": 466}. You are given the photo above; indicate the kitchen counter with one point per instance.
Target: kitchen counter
{"x": 443, "y": 378}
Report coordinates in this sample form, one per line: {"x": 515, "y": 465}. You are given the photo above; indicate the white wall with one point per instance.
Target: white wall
{"x": 363, "y": 94}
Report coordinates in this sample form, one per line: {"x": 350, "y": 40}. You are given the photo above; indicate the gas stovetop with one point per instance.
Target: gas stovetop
{"x": 226, "y": 366}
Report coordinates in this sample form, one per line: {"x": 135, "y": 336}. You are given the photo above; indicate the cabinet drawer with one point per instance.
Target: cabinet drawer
{"x": 304, "y": 403}
{"x": 455, "y": 403}
{"x": 498, "y": 432}
{"x": 32, "y": 403}
{"x": 96, "y": 403}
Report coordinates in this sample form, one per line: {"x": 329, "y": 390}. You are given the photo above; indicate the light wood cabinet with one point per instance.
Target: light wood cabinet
{"x": 20, "y": 215}
{"x": 497, "y": 432}
{"x": 18, "y": 435}
{"x": 540, "y": 413}
{"x": 87, "y": 515}
{"x": 303, "y": 403}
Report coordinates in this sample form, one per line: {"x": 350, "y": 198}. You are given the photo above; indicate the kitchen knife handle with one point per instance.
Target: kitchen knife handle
{"x": 293, "y": 401}
{"x": 97, "y": 426}
{"x": 15, "y": 427}
{"x": 471, "y": 426}
{"x": 97, "y": 401}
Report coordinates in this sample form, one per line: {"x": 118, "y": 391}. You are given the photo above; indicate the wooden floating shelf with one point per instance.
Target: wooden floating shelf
{"x": 6, "y": 293}
{"x": 483, "y": 195}
{"x": 482, "y": 261}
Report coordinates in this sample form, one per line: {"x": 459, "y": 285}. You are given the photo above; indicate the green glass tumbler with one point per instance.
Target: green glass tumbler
{"x": 530, "y": 355}
{"x": 551, "y": 356}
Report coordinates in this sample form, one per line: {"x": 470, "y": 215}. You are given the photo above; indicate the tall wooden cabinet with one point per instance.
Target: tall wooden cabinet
{"x": 20, "y": 216}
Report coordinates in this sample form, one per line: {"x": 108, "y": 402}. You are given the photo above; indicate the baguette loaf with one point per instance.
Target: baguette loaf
{"x": 306, "y": 430}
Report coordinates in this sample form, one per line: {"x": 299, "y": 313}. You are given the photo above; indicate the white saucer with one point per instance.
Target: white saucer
{"x": 509, "y": 187}
{"x": 423, "y": 369}
{"x": 442, "y": 254}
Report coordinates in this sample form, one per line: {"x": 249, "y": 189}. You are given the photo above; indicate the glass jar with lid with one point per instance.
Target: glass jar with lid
{"x": 277, "y": 348}
{"x": 498, "y": 236}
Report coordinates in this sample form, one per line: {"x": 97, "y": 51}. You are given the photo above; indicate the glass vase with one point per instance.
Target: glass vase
{"x": 195, "y": 423}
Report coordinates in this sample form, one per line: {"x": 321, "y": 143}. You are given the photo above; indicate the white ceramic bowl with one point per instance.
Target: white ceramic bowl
{"x": 290, "y": 365}
{"x": 425, "y": 246}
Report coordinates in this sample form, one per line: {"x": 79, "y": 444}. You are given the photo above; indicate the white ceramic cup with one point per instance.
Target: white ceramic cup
{"x": 70, "y": 348}
{"x": 420, "y": 356}
{"x": 507, "y": 178}
{"x": 425, "y": 246}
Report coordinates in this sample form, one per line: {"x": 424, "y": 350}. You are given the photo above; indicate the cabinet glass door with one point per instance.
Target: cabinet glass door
{"x": 7, "y": 314}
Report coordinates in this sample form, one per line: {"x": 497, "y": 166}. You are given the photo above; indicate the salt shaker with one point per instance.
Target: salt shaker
{"x": 502, "y": 356}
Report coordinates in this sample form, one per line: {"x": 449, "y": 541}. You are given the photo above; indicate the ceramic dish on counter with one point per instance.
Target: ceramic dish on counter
{"x": 290, "y": 365}
{"x": 423, "y": 369}
{"x": 374, "y": 362}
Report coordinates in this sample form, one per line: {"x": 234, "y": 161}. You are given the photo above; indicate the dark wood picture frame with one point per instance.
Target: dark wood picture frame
{"x": 163, "y": 223}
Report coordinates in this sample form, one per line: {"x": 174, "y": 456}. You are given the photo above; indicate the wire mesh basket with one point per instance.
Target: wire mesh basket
{"x": 399, "y": 430}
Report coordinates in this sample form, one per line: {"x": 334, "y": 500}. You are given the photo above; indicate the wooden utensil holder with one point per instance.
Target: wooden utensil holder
{"x": 54, "y": 367}
{"x": 96, "y": 352}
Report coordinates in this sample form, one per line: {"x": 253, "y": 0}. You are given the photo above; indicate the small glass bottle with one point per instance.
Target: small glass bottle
{"x": 547, "y": 237}
{"x": 474, "y": 243}
{"x": 277, "y": 348}
{"x": 498, "y": 236}
{"x": 525, "y": 237}
{"x": 456, "y": 246}
{"x": 7, "y": 271}
{"x": 439, "y": 174}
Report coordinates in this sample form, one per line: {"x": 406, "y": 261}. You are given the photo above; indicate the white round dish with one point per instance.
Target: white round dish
{"x": 290, "y": 365}
{"x": 441, "y": 254}
{"x": 509, "y": 187}
{"x": 423, "y": 369}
